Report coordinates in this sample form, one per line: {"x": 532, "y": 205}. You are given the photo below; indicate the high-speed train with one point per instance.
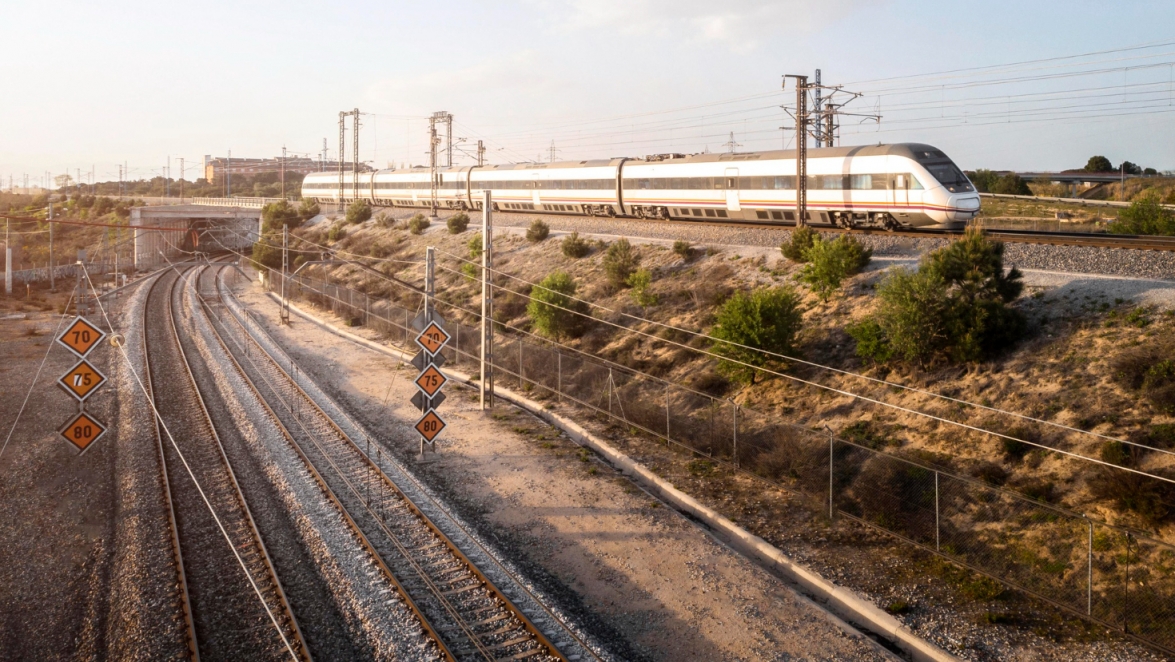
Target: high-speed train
{"x": 884, "y": 186}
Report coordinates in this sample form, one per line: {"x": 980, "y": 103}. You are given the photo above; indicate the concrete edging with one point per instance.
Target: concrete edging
{"x": 841, "y": 601}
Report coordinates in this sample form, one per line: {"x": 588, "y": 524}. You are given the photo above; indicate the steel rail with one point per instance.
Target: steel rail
{"x": 429, "y": 538}
{"x": 177, "y": 553}
{"x": 250, "y": 525}
{"x": 326, "y": 489}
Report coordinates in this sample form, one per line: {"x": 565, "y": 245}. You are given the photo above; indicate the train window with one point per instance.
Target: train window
{"x": 761, "y": 214}
{"x": 861, "y": 182}
{"x": 777, "y": 215}
{"x": 659, "y": 184}
{"x": 721, "y": 213}
{"x": 731, "y": 183}
{"x": 789, "y": 215}
{"x": 832, "y": 182}
{"x": 710, "y": 213}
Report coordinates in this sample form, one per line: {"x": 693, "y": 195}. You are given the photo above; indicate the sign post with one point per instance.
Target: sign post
{"x": 432, "y": 339}
{"x": 82, "y": 381}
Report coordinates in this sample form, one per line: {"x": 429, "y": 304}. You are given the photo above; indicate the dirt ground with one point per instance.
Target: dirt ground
{"x": 644, "y": 573}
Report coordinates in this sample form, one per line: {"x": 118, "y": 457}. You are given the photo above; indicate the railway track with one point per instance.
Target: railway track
{"x": 229, "y": 614}
{"x": 458, "y": 605}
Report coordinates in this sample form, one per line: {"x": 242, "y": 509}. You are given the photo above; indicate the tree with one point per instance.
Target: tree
{"x": 1130, "y": 168}
{"x": 1098, "y": 164}
{"x": 1145, "y": 216}
{"x": 830, "y": 262}
{"x": 358, "y": 212}
{"x": 765, "y": 320}
{"x": 418, "y": 224}
{"x": 984, "y": 180}
{"x": 276, "y": 214}
{"x": 620, "y": 260}
{"x": 475, "y": 246}
{"x": 458, "y": 223}
{"x": 1149, "y": 172}
{"x": 1010, "y": 184}
{"x": 537, "y": 231}
{"x": 575, "y": 247}
{"x": 640, "y": 281}
{"x": 801, "y": 240}
{"x": 552, "y": 311}
{"x": 954, "y": 306}
{"x": 308, "y": 209}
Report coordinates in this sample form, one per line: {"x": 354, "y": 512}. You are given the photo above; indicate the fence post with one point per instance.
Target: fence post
{"x": 558, "y": 376}
{"x": 830, "y": 500}
{"x": 1089, "y": 592}
{"x": 457, "y": 343}
{"x": 937, "y": 529}
{"x": 486, "y": 384}
{"x": 667, "y": 439}
{"x": 609, "y": 391}
{"x": 735, "y": 435}
{"x": 521, "y": 383}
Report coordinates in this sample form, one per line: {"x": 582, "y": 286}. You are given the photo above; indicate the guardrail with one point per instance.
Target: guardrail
{"x": 1073, "y": 201}
{"x": 246, "y": 203}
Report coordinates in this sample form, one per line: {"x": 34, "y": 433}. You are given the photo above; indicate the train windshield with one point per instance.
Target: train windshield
{"x": 949, "y": 175}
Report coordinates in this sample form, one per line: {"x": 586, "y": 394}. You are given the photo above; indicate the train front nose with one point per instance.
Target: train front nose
{"x": 963, "y": 207}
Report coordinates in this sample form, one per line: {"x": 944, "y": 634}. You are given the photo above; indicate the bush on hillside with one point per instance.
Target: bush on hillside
{"x": 575, "y": 247}
{"x": 418, "y": 224}
{"x": 276, "y": 214}
{"x": 989, "y": 181}
{"x": 1145, "y": 216}
{"x": 537, "y": 231}
{"x": 1149, "y": 370}
{"x": 552, "y": 310}
{"x": 358, "y": 212}
{"x": 620, "y": 260}
{"x": 458, "y": 223}
{"x": 475, "y": 246}
{"x": 765, "y": 320}
{"x": 830, "y": 262}
{"x": 801, "y": 240}
{"x": 683, "y": 248}
{"x": 954, "y": 306}
{"x": 640, "y": 281}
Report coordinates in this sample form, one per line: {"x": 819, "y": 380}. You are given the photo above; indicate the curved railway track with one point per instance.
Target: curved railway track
{"x": 225, "y": 615}
{"x": 468, "y": 616}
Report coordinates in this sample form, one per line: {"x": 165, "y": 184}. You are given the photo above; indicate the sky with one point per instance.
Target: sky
{"x": 1007, "y": 85}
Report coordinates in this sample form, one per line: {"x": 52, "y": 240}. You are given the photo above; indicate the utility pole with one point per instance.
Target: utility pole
{"x": 342, "y": 152}
{"x": 355, "y": 147}
{"x": 486, "y": 384}
{"x": 8, "y": 256}
{"x": 283, "y": 172}
{"x": 322, "y": 161}
{"x": 228, "y": 171}
{"x": 801, "y": 148}
{"x": 433, "y": 141}
{"x": 481, "y": 153}
{"x": 285, "y": 312}
{"x": 1122, "y": 182}
{"x": 817, "y": 109}
{"x": 52, "y": 281}
{"x": 182, "y": 179}
{"x": 731, "y": 143}
{"x": 553, "y": 150}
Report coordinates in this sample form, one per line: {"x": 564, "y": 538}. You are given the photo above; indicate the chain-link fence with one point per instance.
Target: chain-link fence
{"x": 1102, "y": 572}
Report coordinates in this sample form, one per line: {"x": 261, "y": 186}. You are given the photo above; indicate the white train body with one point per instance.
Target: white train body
{"x": 890, "y": 186}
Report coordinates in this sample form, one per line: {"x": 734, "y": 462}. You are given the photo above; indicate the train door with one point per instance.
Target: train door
{"x": 731, "y": 184}
{"x": 534, "y": 192}
{"x": 901, "y": 191}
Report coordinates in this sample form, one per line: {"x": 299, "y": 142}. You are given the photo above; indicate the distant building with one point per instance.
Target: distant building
{"x": 215, "y": 168}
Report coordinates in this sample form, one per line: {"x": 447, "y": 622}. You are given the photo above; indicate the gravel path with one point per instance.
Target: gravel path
{"x": 635, "y": 574}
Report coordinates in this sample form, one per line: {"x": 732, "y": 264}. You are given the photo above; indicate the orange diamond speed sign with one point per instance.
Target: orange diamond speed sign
{"x": 430, "y": 425}
{"x": 431, "y": 380}
{"x": 82, "y": 430}
{"x": 81, "y": 336}
{"x": 82, "y": 380}
{"x": 433, "y": 338}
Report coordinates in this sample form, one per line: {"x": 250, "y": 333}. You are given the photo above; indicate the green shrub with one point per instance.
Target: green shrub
{"x": 551, "y": 309}
{"x": 475, "y": 246}
{"x": 358, "y": 212}
{"x": 620, "y": 260}
{"x": 1145, "y": 216}
{"x": 830, "y": 262}
{"x": 308, "y": 209}
{"x": 683, "y": 248}
{"x": 537, "y": 231}
{"x": 767, "y": 319}
{"x": 336, "y": 232}
{"x": 418, "y": 224}
{"x": 471, "y": 270}
{"x": 954, "y": 306}
{"x": 640, "y": 281}
{"x": 575, "y": 247}
{"x": 802, "y": 239}
{"x": 458, "y": 223}
{"x": 1149, "y": 370}
{"x": 276, "y": 214}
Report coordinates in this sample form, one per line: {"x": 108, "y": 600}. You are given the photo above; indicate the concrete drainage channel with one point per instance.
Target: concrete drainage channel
{"x": 860, "y": 616}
